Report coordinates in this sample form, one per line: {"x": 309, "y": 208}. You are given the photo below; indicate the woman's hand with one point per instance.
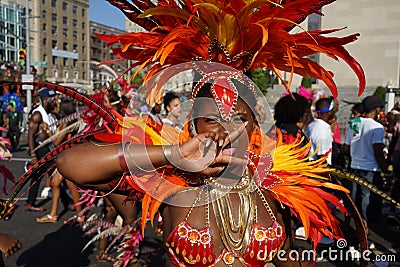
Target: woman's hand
{"x": 205, "y": 154}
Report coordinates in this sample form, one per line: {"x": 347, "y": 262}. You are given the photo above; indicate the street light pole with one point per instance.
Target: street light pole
{"x": 27, "y": 56}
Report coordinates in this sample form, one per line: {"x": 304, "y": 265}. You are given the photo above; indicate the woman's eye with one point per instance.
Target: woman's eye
{"x": 212, "y": 120}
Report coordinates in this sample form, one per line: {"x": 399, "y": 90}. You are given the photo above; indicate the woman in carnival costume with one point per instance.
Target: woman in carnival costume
{"x": 225, "y": 191}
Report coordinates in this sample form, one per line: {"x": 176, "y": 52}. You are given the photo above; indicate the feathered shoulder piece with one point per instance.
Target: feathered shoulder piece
{"x": 245, "y": 35}
{"x": 303, "y": 186}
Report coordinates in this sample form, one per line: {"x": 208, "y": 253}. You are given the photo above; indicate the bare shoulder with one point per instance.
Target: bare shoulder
{"x": 36, "y": 117}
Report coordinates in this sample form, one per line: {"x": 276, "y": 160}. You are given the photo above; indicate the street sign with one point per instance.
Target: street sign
{"x": 27, "y": 78}
{"x": 39, "y": 63}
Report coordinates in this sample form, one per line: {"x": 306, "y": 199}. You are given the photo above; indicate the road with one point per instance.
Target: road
{"x": 59, "y": 245}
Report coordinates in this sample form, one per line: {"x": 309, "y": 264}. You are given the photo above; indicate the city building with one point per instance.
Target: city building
{"x": 12, "y": 41}
{"x": 12, "y": 29}
{"x": 100, "y": 52}
{"x": 378, "y": 47}
{"x": 60, "y": 41}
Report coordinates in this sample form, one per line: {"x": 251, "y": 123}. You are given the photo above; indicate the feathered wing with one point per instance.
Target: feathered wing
{"x": 303, "y": 190}
{"x": 43, "y": 165}
{"x": 358, "y": 220}
{"x": 361, "y": 181}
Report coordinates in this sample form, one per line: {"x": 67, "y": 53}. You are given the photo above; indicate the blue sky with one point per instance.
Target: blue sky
{"x": 103, "y": 12}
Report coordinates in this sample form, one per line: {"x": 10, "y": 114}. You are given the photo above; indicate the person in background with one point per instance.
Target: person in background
{"x": 394, "y": 157}
{"x": 365, "y": 141}
{"x": 2, "y": 119}
{"x": 319, "y": 130}
{"x": 173, "y": 108}
{"x": 67, "y": 107}
{"x": 37, "y": 133}
{"x": 13, "y": 120}
{"x": 290, "y": 115}
{"x": 357, "y": 111}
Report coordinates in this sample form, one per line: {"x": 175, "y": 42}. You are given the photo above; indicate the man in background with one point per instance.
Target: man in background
{"x": 367, "y": 159}
{"x": 13, "y": 121}
{"x": 38, "y": 131}
{"x": 319, "y": 130}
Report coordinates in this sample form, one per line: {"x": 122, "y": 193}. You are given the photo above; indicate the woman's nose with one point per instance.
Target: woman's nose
{"x": 224, "y": 127}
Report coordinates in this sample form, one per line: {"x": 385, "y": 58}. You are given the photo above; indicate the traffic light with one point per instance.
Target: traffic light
{"x": 21, "y": 56}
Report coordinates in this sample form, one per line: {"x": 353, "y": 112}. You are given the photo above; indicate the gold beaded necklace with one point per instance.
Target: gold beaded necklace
{"x": 235, "y": 232}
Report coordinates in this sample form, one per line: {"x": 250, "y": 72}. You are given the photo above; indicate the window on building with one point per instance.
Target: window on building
{"x": 53, "y": 29}
{"x": 65, "y": 32}
{"x": 83, "y": 49}
{"x": 43, "y": 2}
{"x": 65, "y": 62}
{"x": 66, "y": 74}
{"x": 54, "y": 44}
{"x": 83, "y": 12}
{"x": 83, "y": 37}
{"x": 83, "y": 25}
{"x": 53, "y": 3}
{"x": 55, "y": 60}
{"x": 10, "y": 14}
{"x": 44, "y": 58}
{"x": 65, "y": 46}
{"x": 54, "y": 17}
{"x": 65, "y": 20}
{"x": 75, "y": 23}
{"x": 55, "y": 73}
{"x": 83, "y": 75}
{"x": 44, "y": 26}
{"x": 74, "y": 9}
{"x": 75, "y": 35}
{"x": 44, "y": 14}
{"x": 76, "y": 75}
{"x": 64, "y": 6}
{"x": 44, "y": 42}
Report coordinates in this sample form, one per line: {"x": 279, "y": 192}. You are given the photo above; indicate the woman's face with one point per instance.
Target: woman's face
{"x": 174, "y": 108}
{"x": 209, "y": 119}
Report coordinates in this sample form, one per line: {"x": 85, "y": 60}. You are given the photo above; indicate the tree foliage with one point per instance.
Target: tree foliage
{"x": 259, "y": 77}
{"x": 380, "y": 92}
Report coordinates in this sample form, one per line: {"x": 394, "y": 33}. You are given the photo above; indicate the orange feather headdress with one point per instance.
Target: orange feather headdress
{"x": 244, "y": 34}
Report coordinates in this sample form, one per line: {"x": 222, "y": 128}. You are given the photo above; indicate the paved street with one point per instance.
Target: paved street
{"x": 57, "y": 244}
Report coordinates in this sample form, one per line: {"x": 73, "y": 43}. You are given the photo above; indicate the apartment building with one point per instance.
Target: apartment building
{"x": 60, "y": 40}
{"x": 100, "y": 52}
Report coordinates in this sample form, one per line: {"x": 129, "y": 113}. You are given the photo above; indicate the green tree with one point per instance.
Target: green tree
{"x": 380, "y": 92}
{"x": 259, "y": 77}
{"x": 306, "y": 82}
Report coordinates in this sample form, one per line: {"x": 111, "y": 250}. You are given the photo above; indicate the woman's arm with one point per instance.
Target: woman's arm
{"x": 97, "y": 163}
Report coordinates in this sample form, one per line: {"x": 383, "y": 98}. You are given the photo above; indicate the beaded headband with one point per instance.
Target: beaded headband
{"x": 223, "y": 89}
